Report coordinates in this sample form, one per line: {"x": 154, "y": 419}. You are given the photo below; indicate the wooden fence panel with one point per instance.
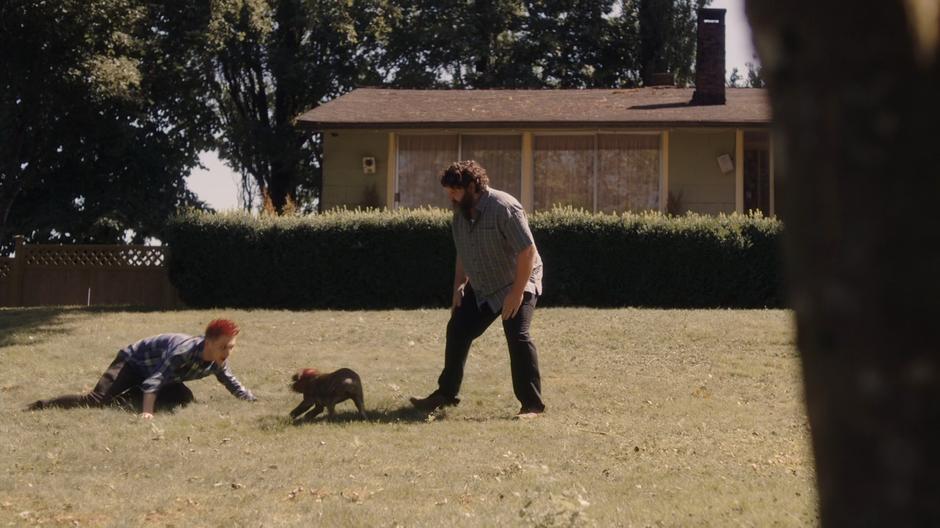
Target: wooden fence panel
{"x": 6, "y": 279}
{"x": 89, "y": 275}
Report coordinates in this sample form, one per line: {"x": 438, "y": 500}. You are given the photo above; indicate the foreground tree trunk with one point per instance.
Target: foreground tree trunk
{"x": 856, "y": 103}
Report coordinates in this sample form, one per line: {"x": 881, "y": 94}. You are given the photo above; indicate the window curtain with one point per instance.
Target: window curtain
{"x": 564, "y": 171}
{"x": 628, "y": 172}
{"x": 501, "y": 156}
{"x": 421, "y": 159}
{"x": 757, "y": 172}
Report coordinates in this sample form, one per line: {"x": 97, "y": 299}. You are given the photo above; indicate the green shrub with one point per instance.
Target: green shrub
{"x": 381, "y": 259}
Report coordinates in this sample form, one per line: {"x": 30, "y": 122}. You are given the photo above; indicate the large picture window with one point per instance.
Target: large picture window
{"x": 627, "y": 172}
{"x": 602, "y": 172}
{"x": 501, "y": 156}
{"x": 612, "y": 172}
{"x": 564, "y": 171}
{"x": 421, "y": 158}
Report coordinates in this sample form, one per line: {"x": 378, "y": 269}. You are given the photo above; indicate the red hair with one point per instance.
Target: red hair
{"x": 309, "y": 373}
{"x": 221, "y": 327}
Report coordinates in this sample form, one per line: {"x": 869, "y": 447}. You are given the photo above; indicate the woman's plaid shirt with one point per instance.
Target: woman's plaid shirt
{"x": 172, "y": 358}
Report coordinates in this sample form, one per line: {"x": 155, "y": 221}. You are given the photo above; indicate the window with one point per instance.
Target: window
{"x": 628, "y": 172}
{"x": 598, "y": 172}
{"x": 757, "y": 171}
{"x": 602, "y": 172}
{"x": 421, "y": 158}
{"x": 564, "y": 171}
{"x": 501, "y": 156}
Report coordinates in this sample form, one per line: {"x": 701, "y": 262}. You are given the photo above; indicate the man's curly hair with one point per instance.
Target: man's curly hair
{"x": 462, "y": 173}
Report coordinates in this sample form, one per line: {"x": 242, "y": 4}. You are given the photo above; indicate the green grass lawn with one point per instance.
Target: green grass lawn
{"x": 655, "y": 418}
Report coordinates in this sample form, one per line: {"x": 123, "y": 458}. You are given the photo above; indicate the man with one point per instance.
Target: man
{"x": 498, "y": 273}
{"x": 157, "y": 366}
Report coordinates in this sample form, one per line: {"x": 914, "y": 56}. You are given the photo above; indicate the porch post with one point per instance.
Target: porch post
{"x": 391, "y": 183}
{"x": 770, "y": 149}
{"x": 664, "y": 174}
{"x": 528, "y": 177}
{"x": 739, "y": 171}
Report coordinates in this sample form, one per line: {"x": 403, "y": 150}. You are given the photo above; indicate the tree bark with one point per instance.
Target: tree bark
{"x": 856, "y": 114}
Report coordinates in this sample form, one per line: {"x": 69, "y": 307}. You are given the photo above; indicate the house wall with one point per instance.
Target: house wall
{"x": 695, "y": 180}
{"x": 693, "y": 174}
{"x": 343, "y": 180}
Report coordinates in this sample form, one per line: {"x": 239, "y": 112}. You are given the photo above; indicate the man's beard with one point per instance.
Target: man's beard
{"x": 465, "y": 204}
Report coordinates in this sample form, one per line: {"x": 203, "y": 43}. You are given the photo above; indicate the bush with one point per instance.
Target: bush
{"x": 404, "y": 259}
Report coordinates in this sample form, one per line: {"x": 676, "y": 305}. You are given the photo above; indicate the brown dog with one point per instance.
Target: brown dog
{"x": 326, "y": 390}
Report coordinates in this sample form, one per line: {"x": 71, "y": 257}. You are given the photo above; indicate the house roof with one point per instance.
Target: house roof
{"x": 638, "y": 107}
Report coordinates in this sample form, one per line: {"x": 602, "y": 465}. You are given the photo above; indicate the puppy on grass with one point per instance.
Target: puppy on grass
{"x": 326, "y": 390}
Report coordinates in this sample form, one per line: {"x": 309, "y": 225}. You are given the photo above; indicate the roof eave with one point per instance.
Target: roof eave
{"x": 317, "y": 126}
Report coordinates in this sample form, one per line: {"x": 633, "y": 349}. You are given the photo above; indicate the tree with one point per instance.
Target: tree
{"x": 580, "y": 44}
{"x": 97, "y": 129}
{"x": 854, "y": 95}
{"x": 275, "y": 59}
{"x": 755, "y": 77}
{"x": 668, "y": 38}
{"x": 510, "y": 44}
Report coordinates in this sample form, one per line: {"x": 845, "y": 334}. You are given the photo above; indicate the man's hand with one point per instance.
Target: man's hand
{"x": 150, "y": 399}
{"x": 458, "y": 297}
{"x": 511, "y": 304}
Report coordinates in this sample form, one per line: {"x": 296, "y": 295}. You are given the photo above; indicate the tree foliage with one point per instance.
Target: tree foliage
{"x": 101, "y": 116}
{"x": 511, "y": 44}
{"x": 668, "y": 38}
{"x": 274, "y": 59}
{"x": 105, "y": 105}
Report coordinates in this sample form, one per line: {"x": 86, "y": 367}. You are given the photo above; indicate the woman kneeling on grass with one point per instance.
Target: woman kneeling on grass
{"x": 157, "y": 366}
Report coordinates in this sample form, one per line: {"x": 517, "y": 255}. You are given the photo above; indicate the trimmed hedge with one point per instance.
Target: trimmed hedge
{"x": 404, "y": 259}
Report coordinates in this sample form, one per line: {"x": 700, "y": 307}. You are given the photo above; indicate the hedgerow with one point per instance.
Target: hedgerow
{"x": 374, "y": 259}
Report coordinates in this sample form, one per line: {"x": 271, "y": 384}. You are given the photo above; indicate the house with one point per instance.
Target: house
{"x": 661, "y": 148}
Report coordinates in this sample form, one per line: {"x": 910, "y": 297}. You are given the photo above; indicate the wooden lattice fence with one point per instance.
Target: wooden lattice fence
{"x": 42, "y": 275}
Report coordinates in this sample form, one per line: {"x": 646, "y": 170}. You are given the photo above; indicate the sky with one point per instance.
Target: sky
{"x": 217, "y": 184}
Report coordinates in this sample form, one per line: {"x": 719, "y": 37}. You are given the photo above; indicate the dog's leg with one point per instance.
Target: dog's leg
{"x": 300, "y": 409}
{"x": 360, "y": 404}
{"x": 313, "y": 414}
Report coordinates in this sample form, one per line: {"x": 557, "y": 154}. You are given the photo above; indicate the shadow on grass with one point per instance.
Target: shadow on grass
{"x": 406, "y": 414}
{"x": 39, "y": 321}
{"x": 42, "y": 321}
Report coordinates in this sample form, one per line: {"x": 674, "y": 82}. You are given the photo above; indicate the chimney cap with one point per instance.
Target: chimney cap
{"x": 711, "y": 13}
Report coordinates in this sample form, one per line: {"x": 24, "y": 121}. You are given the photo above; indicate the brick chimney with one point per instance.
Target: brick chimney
{"x": 710, "y": 58}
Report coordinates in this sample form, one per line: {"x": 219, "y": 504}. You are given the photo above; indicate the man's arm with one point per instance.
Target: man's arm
{"x": 150, "y": 400}
{"x": 460, "y": 281}
{"x": 225, "y": 377}
{"x": 151, "y": 386}
{"x": 525, "y": 262}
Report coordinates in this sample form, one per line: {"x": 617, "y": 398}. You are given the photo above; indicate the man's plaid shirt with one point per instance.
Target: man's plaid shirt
{"x": 488, "y": 246}
{"x": 172, "y": 358}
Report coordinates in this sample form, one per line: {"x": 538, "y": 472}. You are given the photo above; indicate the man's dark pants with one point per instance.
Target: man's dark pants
{"x": 120, "y": 384}
{"x": 468, "y": 322}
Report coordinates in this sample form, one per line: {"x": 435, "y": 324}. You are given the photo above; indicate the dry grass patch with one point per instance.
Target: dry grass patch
{"x": 656, "y": 418}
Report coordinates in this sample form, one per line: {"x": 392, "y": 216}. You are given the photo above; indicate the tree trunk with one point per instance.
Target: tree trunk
{"x": 856, "y": 108}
